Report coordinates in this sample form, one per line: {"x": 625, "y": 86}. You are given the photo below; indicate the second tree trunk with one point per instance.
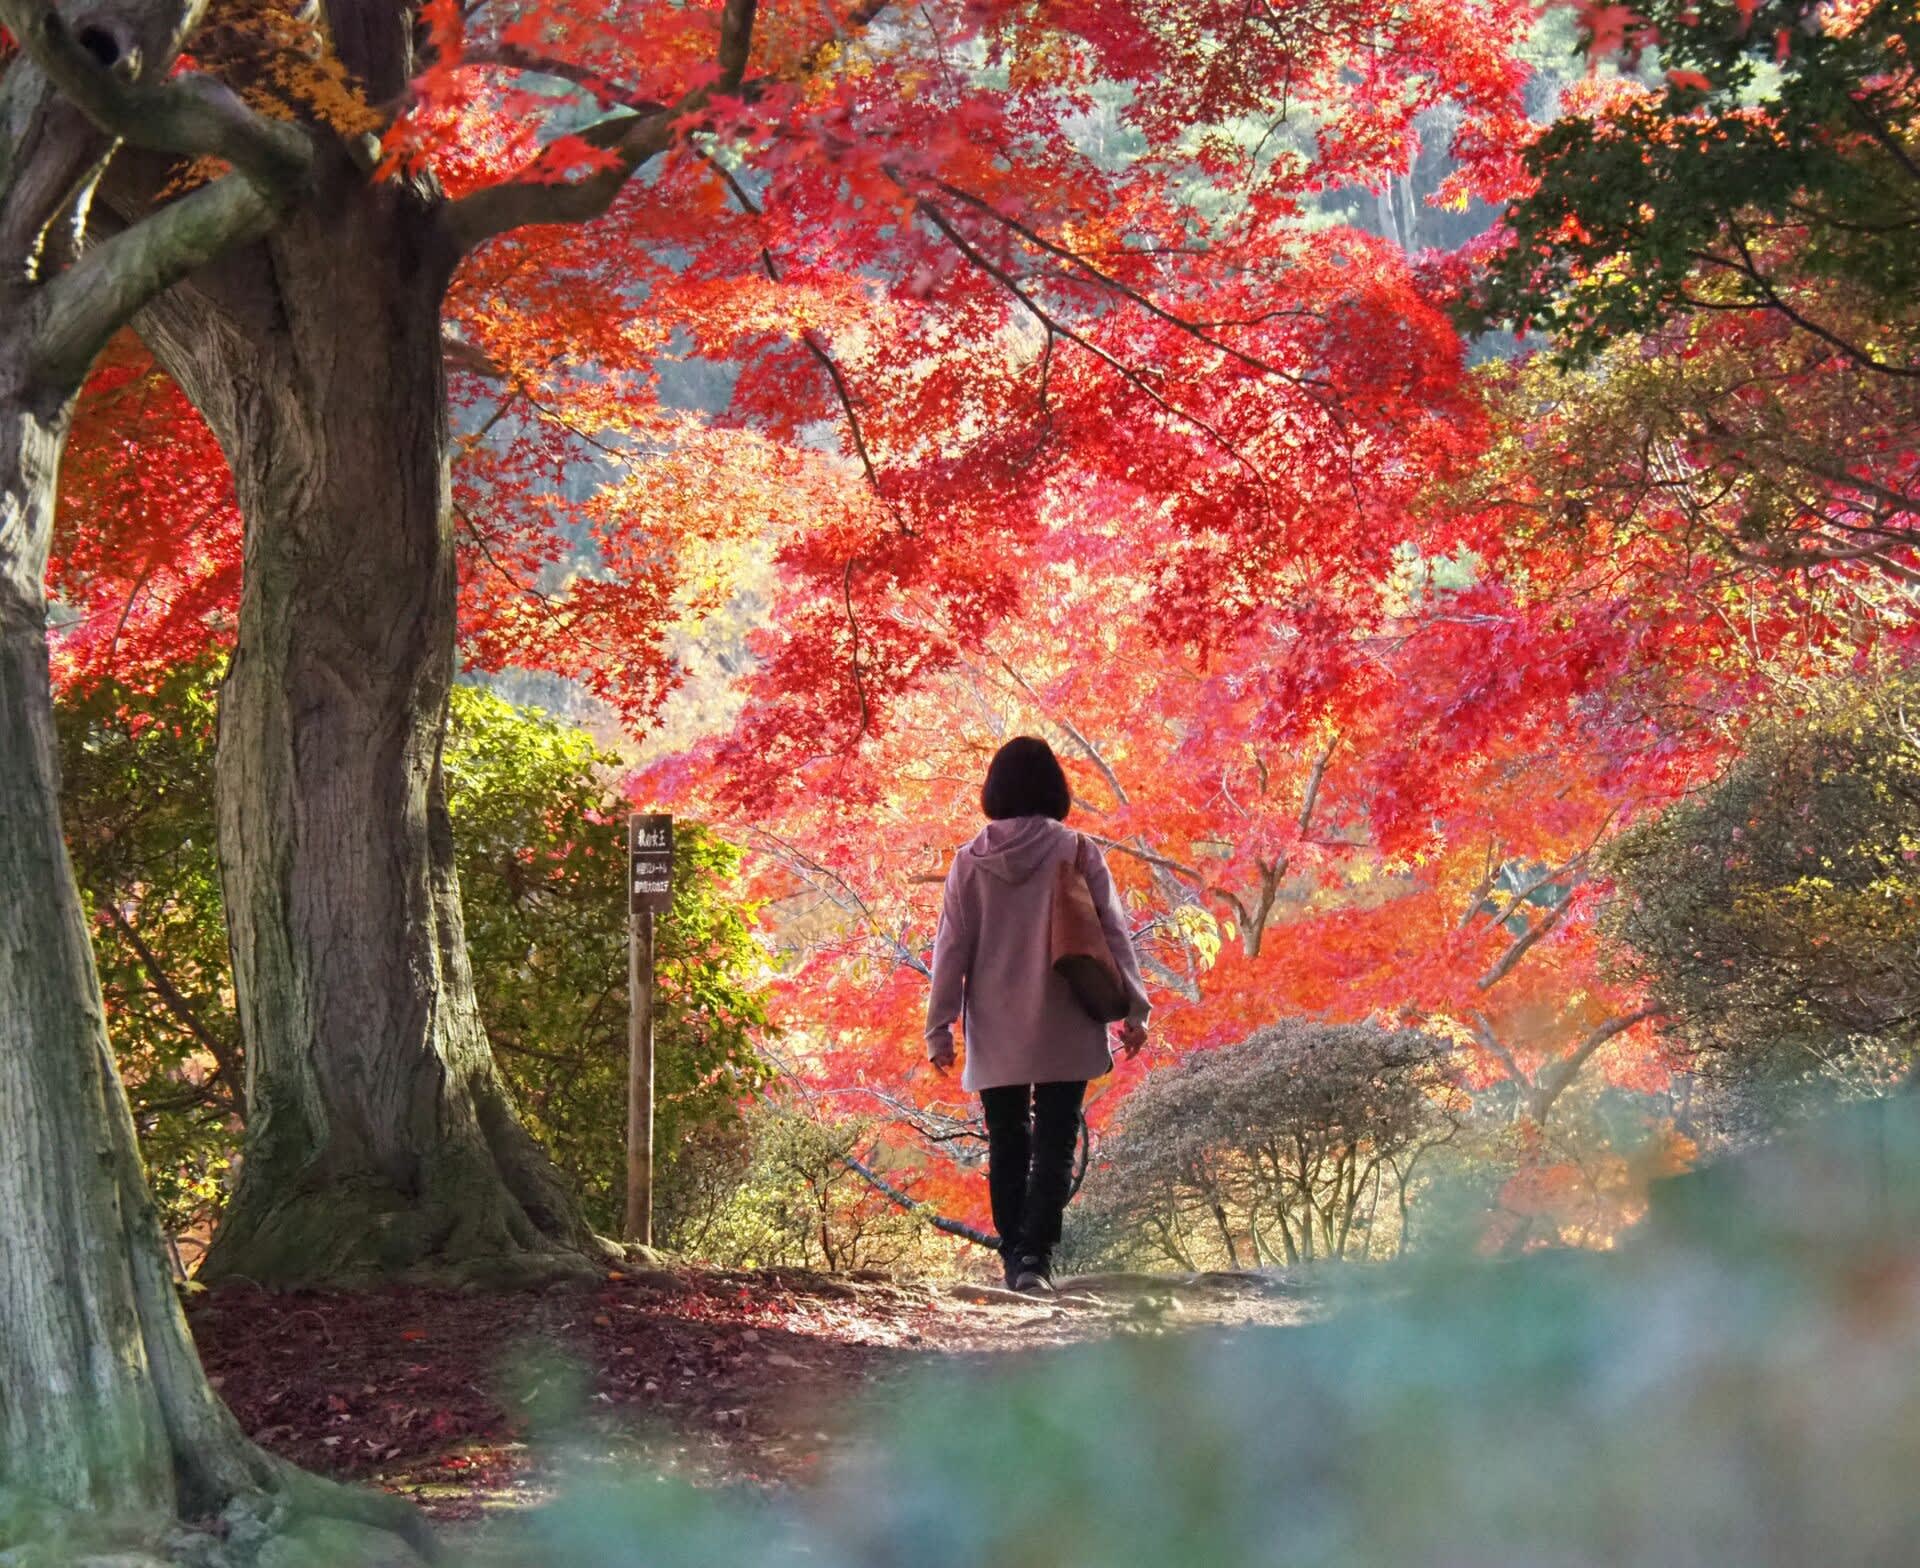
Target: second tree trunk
{"x": 381, "y": 1139}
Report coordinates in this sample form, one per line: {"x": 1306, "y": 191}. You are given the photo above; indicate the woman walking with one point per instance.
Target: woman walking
{"x": 1031, "y": 1044}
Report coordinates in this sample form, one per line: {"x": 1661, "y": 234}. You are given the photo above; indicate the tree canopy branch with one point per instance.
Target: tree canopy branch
{"x": 101, "y": 292}
{"x": 1557, "y": 1075}
{"x": 1524, "y": 943}
{"x": 817, "y": 347}
{"x": 191, "y": 116}
{"x": 634, "y": 139}
{"x": 1058, "y": 328}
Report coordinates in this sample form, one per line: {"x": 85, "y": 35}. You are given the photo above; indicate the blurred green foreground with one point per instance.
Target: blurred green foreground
{"x": 1740, "y": 1385}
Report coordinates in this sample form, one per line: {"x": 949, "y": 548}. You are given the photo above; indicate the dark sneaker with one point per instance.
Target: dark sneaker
{"x": 1033, "y": 1276}
{"x": 1010, "y": 1269}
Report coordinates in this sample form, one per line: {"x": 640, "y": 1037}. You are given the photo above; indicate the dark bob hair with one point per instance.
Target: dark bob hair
{"x": 1025, "y": 779}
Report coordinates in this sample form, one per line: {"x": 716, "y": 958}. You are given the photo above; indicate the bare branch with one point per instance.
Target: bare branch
{"x": 1483, "y": 1032}
{"x": 175, "y": 1003}
{"x": 816, "y": 346}
{"x": 853, "y": 630}
{"x": 499, "y": 209}
{"x": 1314, "y": 780}
{"x": 1521, "y": 894}
{"x": 1125, "y": 290}
{"x": 1524, "y": 943}
{"x": 1485, "y": 886}
{"x": 1087, "y": 748}
{"x": 517, "y": 57}
{"x": 1148, "y": 857}
{"x": 1557, "y": 1075}
{"x": 464, "y": 354}
{"x": 1059, "y": 328}
{"x": 907, "y": 1201}
{"x": 1770, "y": 298}
{"x": 824, "y": 879}
{"x": 97, "y": 69}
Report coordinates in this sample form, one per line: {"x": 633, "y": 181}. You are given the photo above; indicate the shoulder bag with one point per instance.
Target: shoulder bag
{"x": 1080, "y": 952}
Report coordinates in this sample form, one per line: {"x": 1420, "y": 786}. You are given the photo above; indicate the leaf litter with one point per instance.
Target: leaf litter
{"x": 726, "y": 1379}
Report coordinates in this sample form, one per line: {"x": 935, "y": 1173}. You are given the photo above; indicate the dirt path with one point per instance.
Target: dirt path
{"x": 723, "y": 1378}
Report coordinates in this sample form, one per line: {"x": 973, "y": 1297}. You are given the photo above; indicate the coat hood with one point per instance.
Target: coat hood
{"x": 1016, "y": 847}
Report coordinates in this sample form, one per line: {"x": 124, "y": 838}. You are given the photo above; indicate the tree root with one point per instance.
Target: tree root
{"x": 460, "y": 1233}
{"x": 298, "y": 1521}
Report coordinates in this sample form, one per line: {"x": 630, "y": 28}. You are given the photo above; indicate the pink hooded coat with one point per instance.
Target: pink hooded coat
{"x": 991, "y": 960}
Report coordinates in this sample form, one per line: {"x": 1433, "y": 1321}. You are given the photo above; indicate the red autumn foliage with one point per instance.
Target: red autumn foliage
{"x": 1048, "y": 401}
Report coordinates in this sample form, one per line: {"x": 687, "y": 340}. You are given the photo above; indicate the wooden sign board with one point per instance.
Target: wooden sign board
{"x": 650, "y": 859}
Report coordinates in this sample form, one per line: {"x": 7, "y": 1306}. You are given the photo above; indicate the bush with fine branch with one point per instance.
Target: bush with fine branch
{"x": 1299, "y": 1144}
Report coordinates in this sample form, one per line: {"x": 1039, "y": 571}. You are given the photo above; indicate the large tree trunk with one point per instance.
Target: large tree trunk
{"x": 101, "y": 1396}
{"x": 381, "y": 1139}
{"x": 103, "y": 1407}
{"x": 109, "y": 1431}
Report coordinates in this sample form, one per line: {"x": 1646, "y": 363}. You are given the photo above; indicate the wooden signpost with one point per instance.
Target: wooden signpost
{"x": 649, "y": 892}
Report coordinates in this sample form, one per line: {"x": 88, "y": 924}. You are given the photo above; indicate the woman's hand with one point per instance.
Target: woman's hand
{"x": 942, "y": 1060}
{"x": 1133, "y": 1038}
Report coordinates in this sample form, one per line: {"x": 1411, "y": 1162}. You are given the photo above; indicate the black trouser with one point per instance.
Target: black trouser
{"x": 1031, "y": 1132}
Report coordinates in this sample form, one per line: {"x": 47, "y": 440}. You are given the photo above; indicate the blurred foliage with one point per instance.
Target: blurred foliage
{"x": 1298, "y": 1144}
{"x": 1735, "y": 1387}
{"x": 1777, "y": 916}
{"x": 540, "y": 842}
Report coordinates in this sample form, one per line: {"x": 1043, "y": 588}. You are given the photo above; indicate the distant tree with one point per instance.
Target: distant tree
{"x": 1729, "y": 251}
{"x": 1777, "y": 916}
{"x": 1725, "y": 454}
{"x": 1773, "y": 171}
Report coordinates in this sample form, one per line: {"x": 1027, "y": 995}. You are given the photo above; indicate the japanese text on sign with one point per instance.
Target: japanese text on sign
{"x": 650, "y": 855}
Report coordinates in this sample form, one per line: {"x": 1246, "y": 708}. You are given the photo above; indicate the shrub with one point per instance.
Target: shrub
{"x": 137, "y": 796}
{"x": 1732, "y": 1387}
{"x": 1776, "y": 917}
{"x": 787, "y": 1197}
{"x": 1299, "y": 1143}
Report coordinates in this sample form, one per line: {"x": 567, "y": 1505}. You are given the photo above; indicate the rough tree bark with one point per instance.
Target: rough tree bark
{"x": 108, "y": 1428}
{"x": 381, "y": 1139}
{"x": 101, "y": 1394}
